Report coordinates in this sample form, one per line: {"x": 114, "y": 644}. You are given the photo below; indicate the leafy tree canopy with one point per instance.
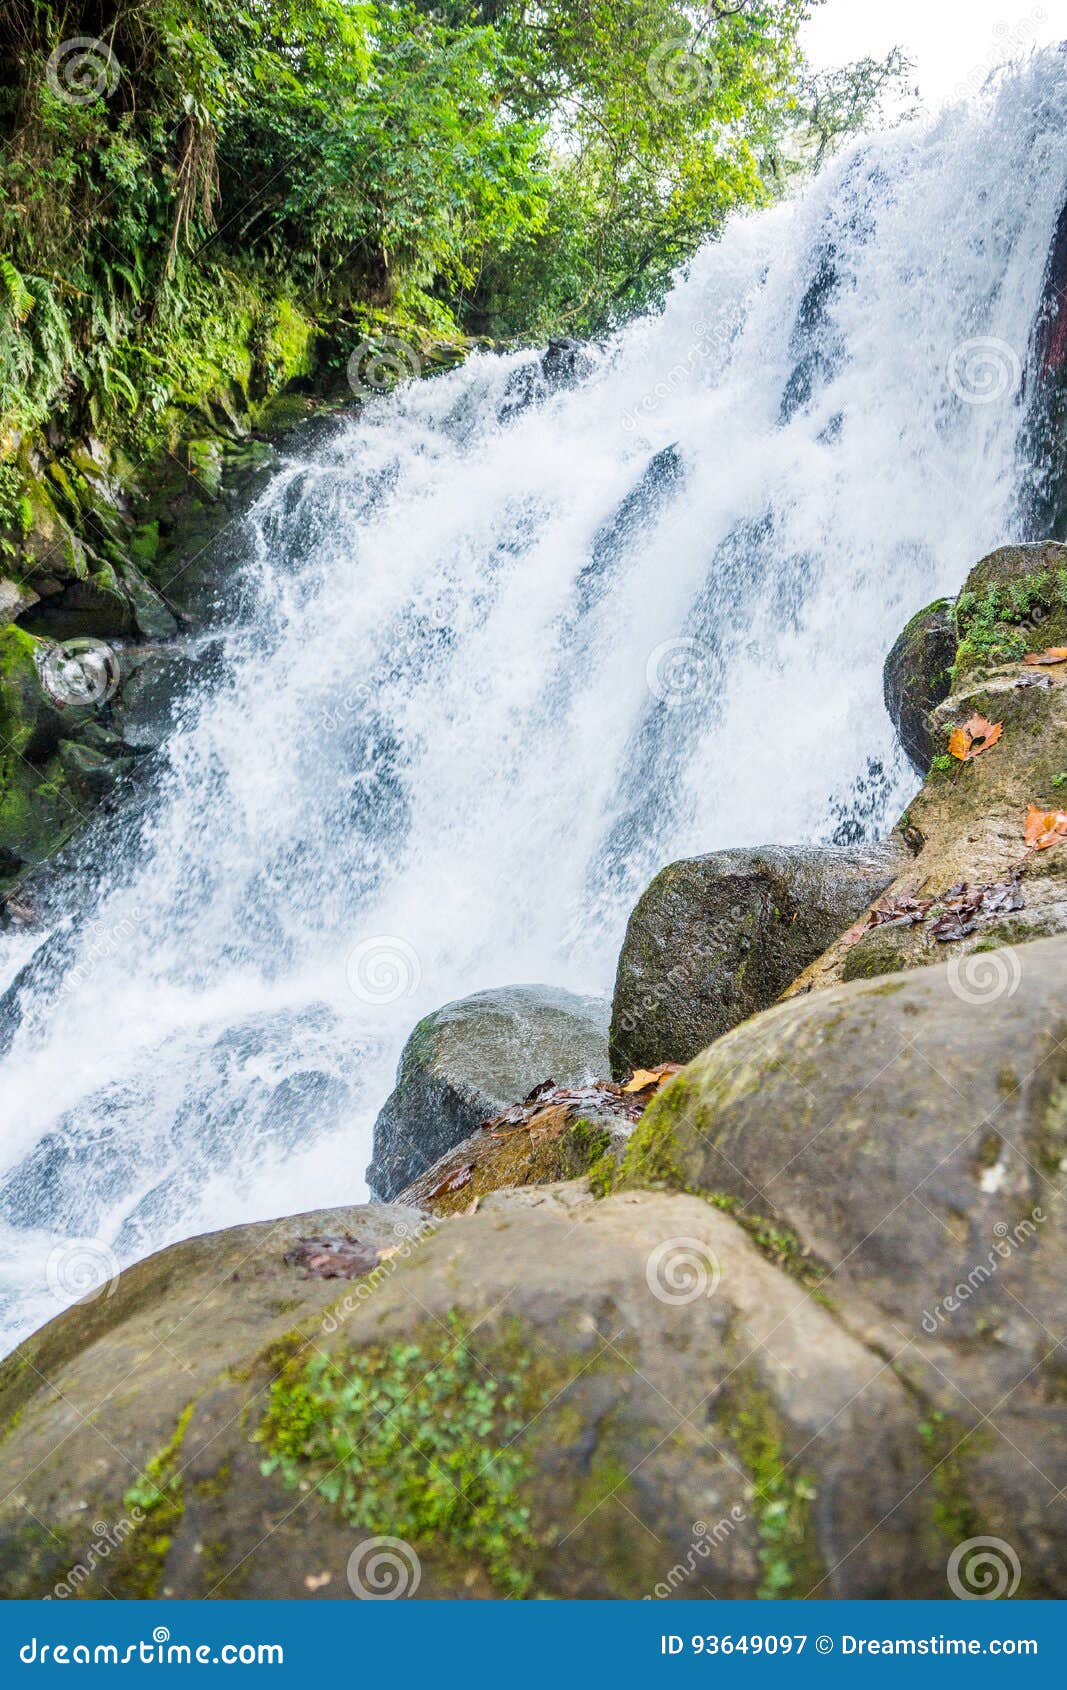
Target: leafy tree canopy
{"x": 502, "y": 167}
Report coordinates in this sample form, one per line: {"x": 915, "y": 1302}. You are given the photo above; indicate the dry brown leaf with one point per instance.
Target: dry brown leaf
{"x": 454, "y": 1181}
{"x": 973, "y": 738}
{"x": 1054, "y": 654}
{"x": 551, "y": 1119}
{"x": 643, "y": 1079}
{"x": 335, "y": 1257}
{"x": 1044, "y": 827}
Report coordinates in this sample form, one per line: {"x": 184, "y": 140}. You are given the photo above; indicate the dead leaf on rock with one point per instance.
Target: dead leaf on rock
{"x": 333, "y": 1258}
{"x": 603, "y": 1097}
{"x": 646, "y": 1079}
{"x": 1044, "y": 681}
{"x": 454, "y": 1180}
{"x": 1054, "y": 654}
{"x": 553, "y": 1118}
{"x": 905, "y": 910}
{"x": 538, "y": 1092}
{"x": 975, "y": 736}
{"x": 966, "y": 908}
{"x": 1044, "y": 828}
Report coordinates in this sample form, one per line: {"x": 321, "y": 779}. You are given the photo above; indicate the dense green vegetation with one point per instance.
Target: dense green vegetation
{"x": 205, "y": 187}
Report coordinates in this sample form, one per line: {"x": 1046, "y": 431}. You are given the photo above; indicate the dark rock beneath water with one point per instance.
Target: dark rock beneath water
{"x": 918, "y": 678}
{"x": 564, "y": 363}
{"x": 470, "y": 1060}
{"x": 715, "y": 939}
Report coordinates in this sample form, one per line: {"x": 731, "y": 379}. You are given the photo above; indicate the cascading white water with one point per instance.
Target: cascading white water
{"x": 504, "y": 659}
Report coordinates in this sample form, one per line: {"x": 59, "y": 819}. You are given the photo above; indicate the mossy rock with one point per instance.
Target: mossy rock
{"x": 51, "y": 771}
{"x": 471, "y": 1059}
{"x": 966, "y": 826}
{"x": 918, "y": 676}
{"x": 525, "y": 1156}
{"x": 532, "y": 1401}
{"x": 717, "y": 938}
{"x": 1014, "y": 601}
{"x": 909, "y": 1134}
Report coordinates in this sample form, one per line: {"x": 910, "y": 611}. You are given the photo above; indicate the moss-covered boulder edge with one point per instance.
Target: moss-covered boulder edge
{"x": 966, "y": 827}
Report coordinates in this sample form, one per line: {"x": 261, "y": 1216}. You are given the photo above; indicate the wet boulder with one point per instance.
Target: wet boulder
{"x": 714, "y": 939}
{"x": 470, "y": 1060}
{"x": 918, "y": 678}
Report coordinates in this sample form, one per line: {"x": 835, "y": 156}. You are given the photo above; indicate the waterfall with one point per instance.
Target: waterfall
{"x": 505, "y": 645}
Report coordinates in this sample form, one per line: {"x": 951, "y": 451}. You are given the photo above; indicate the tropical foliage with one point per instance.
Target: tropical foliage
{"x": 188, "y": 182}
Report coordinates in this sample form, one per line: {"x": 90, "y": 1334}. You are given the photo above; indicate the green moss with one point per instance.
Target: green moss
{"x": 788, "y": 1547}
{"x": 778, "y": 1243}
{"x": 588, "y": 1141}
{"x": 871, "y": 958}
{"x": 603, "y": 1175}
{"x": 1004, "y": 620}
{"x": 1051, "y": 1148}
{"x": 145, "y": 542}
{"x": 415, "y": 1440}
{"x": 286, "y": 345}
{"x": 156, "y": 1500}
{"x": 217, "y": 1485}
{"x": 653, "y": 1156}
{"x": 946, "y": 1445}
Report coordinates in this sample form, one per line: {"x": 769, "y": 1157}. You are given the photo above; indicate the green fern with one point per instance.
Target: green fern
{"x": 19, "y": 298}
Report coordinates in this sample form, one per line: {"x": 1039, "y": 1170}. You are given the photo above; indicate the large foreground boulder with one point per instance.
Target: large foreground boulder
{"x": 974, "y": 883}
{"x": 553, "y": 1397}
{"x": 470, "y": 1060}
{"x": 910, "y": 1137}
{"x": 717, "y": 938}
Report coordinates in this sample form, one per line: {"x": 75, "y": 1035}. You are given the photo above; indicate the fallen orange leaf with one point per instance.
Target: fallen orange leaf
{"x": 973, "y": 738}
{"x": 1054, "y": 654}
{"x": 642, "y": 1078}
{"x": 1044, "y": 828}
